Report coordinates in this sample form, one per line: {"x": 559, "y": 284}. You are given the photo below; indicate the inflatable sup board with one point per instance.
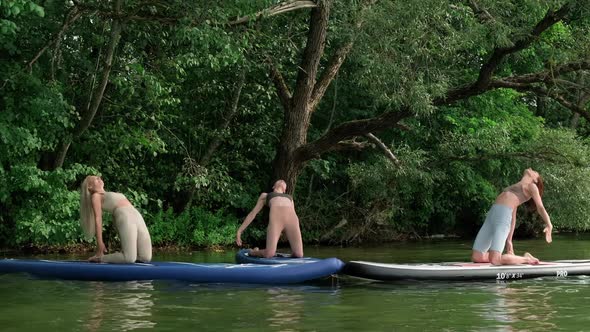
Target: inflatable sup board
{"x": 187, "y": 272}
{"x": 242, "y": 257}
{"x": 465, "y": 271}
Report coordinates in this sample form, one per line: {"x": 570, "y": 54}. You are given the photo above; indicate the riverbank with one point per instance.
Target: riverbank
{"x": 88, "y": 248}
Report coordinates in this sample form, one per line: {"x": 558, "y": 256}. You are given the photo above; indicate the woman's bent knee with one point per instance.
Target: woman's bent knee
{"x": 479, "y": 257}
{"x": 145, "y": 259}
{"x": 298, "y": 254}
{"x": 269, "y": 253}
{"x": 129, "y": 258}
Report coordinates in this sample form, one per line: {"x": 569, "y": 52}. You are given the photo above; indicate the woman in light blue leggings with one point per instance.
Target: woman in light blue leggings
{"x": 497, "y": 230}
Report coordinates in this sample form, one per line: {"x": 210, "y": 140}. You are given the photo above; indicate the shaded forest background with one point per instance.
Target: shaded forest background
{"x": 388, "y": 119}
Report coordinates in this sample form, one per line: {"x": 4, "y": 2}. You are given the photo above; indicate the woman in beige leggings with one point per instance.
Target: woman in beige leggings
{"x": 135, "y": 238}
{"x": 282, "y": 217}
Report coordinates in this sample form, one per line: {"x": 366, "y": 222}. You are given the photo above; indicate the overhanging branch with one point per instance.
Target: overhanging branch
{"x": 348, "y": 130}
{"x": 550, "y": 74}
{"x": 383, "y": 147}
{"x": 498, "y": 54}
{"x": 541, "y": 91}
{"x": 280, "y": 8}
{"x": 482, "y": 14}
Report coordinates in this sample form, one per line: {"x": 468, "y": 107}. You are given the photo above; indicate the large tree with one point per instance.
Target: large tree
{"x": 480, "y": 63}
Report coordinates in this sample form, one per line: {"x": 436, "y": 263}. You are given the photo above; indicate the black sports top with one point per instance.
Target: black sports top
{"x": 273, "y": 194}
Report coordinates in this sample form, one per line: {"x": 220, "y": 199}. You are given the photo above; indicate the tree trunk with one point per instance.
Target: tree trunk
{"x": 298, "y": 110}
{"x": 184, "y": 202}
{"x": 56, "y": 159}
{"x": 233, "y": 110}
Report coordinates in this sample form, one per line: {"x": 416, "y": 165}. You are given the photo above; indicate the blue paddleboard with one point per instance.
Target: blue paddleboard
{"x": 187, "y": 272}
{"x": 242, "y": 257}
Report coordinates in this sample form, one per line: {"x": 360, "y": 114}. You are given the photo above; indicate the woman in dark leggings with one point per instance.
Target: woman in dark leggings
{"x": 282, "y": 218}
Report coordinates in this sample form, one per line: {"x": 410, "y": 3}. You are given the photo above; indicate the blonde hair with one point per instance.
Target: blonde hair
{"x": 86, "y": 210}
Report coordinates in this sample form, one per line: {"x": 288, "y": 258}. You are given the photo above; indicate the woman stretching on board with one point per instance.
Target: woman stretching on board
{"x": 136, "y": 243}
{"x": 498, "y": 228}
{"x": 282, "y": 218}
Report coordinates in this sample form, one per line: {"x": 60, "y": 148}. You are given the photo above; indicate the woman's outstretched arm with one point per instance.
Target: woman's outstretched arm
{"x": 250, "y": 217}
{"x": 542, "y": 212}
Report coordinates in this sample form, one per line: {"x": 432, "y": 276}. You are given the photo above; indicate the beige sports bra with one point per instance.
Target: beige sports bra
{"x": 518, "y": 190}
{"x": 109, "y": 203}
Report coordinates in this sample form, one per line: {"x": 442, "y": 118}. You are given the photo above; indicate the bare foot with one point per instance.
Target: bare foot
{"x": 252, "y": 251}
{"x": 94, "y": 259}
{"x": 531, "y": 259}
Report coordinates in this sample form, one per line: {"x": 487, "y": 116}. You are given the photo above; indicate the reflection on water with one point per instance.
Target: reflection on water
{"x": 286, "y": 306}
{"x": 537, "y": 304}
{"x": 126, "y": 307}
{"x": 516, "y": 303}
{"x": 545, "y": 304}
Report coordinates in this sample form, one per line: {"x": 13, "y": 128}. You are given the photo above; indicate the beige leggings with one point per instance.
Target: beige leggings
{"x": 136, "y": 244}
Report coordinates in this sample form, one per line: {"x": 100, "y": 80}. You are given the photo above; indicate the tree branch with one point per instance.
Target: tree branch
{"x": 314, "y": 48}
{"x": 487, "y": 70}
{"x": 350, "y": 145}
{"x": 336, "y": 62}
{"x": 550, "y": 74}
{"x": 280, "y": 8}
{"x": 350, "y": 129}
{"x": 383, "y": 147}
{"x": 329, "y": 73}
{"x": 88, "y": 115}
{"x": 70, "y": 18}
{"x": 231, "y": 113}
{"x": 274, "y": 10}
{"x": 483, "y": 15}
{"x": 281, "y": 86}
{"x": 541, "y": 91}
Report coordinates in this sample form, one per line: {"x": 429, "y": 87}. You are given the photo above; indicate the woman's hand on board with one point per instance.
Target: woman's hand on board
{"x": 547, "y": 230}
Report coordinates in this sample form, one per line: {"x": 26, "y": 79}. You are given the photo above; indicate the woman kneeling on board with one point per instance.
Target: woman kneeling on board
{"x": 498, "y": 227}
{"x": 282, "y": 218}
{"x": 136, "y": 243}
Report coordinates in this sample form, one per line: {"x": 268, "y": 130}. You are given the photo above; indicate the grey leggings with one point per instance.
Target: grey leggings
{"x": 136, "y": 243}
{"x": 494, "y": 231}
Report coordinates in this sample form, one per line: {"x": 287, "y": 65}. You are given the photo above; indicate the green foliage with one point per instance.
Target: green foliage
{"x": 194, "y": 227}
{"x": 44, "y": 209}
{"x": 168, "y": 102}
{"x": 35, "y": 116}
{"x": 9, "y": 11}
{"x": 400, "y": 195}
{"x": 566, "y": 183}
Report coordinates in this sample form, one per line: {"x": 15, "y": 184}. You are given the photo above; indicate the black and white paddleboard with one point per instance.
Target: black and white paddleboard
{"x": 465, "y": 271}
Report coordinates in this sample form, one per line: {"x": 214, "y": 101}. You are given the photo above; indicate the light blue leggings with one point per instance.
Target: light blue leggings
{"x": 494, "y": 231}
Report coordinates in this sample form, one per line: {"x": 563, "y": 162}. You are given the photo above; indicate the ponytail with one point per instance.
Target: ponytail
{"x": 86, "y": 211}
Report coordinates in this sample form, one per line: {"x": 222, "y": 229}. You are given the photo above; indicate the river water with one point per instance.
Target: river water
{"x": 338, "y": 304}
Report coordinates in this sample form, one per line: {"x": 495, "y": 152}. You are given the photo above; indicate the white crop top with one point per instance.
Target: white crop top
{"x": 110, "y": 201}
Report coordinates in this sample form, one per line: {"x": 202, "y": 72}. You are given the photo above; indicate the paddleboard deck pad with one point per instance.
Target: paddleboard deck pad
{"x": 465, "y": 271}
{"x": 180, "y": 271}
{"x": 242, "y": 257}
